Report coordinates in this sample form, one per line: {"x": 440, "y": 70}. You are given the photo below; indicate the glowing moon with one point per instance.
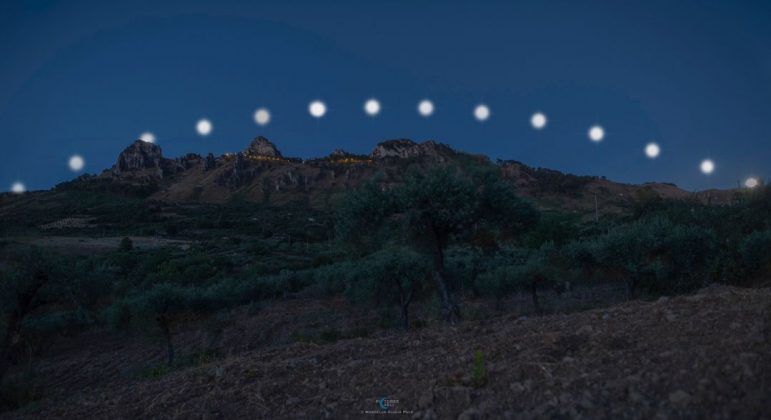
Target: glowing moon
{"x": 317, "y": 109}
{"x": 707, "y": 166}
{"x": 538, "y": 120}
{"x": 147, "y": 137}
{"x": 426, "y": 108}
{"x": 262, "y": 116}
{"x": 203, "y": 127}
{"x": 652, "y": 150}
{"x": 751, "y": 182}
{"x": 18, "y": 187}
{"x": 482, "y": 112}
{"x": 77, "y": 163}
{"x": 596, "y": 133}
{"x": 372, "y": 107}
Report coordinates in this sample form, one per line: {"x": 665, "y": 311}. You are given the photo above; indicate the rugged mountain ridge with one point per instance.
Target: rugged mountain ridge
{"x": 261, "y": 173}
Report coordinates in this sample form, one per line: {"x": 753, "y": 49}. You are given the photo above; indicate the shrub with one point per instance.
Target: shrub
{"x": 656, "y": 254}
{"x": 126, "y": 244}
{"x": 478, "y": 370}
{"x": 755, "y": 252}
{"x": 393, "y": 276}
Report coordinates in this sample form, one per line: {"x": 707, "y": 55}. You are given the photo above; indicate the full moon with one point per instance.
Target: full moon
{"x": 18, "y": 187}
{"x": 262, "y": 116}
{"x": 372, "y": 107}
{"x": 426, "y": 108}
{"x": 482, "y": 112}
{"x": 317, "y": 109}
{"x": 707, "y": 166}
{"x": 147, "y": 137}
{"x": 652, "y": 150}
{"x": 77, "y": 163}
{"x": 596, "y": 133}
{"x": 203, "y": 127}
{"x": 751, "y": 182}
{"x": 538, "y": 120}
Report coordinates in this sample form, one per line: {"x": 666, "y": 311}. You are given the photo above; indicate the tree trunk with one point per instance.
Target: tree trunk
{"x": 5, "y": 351}
{"x": 631, "y": 287}
{"x": 404, "y": 301}
{"x": 450, "y": 310}
{"x": 164, "y": 325}
{"x": 534, "y": 294}
{"x": 405, "y": 316}
{"x": 25, "y": 302}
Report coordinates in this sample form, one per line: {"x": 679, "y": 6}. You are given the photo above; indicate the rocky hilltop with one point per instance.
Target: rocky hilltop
{"x": 261, "y": 173}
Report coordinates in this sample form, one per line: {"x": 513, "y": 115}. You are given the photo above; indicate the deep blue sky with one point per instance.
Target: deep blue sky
{"x": 88, "y": 77}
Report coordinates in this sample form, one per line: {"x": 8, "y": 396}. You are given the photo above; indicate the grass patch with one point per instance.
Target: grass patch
{"x": 478, "y": 370}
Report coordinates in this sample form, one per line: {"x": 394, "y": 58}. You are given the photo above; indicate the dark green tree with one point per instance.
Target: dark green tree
{"x": 126, "y": 244}
{"x": 392, "y": 276}
{"x": 29, "y": 279}
{"x": 436, "y": 207}
{"x": 539, "y": 269}
{"x": 158, "y": 310}
{"x": 656, "y": 251}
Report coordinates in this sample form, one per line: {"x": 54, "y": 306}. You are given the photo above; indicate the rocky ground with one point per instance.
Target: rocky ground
{"x": 707, "y": 355}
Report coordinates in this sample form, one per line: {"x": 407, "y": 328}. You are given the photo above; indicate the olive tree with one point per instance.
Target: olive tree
{"x": 668, "y": 256}
{"x": 392, "y": 276}
{"x": 29, "y": 279}
{"x": 157, "y": 310}
{"x": 434, "y": 208}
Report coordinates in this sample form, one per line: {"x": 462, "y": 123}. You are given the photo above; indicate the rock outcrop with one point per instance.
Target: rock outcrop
{"x": 140, "y": 156}
{"x": 210, "y": 162}
{"x": 181, "y": 163}
{"x": 339, "y": 153}
{"x": 405, "y": 149}
{"x": 261, "y": 146}
{"x": 261, "y": 169}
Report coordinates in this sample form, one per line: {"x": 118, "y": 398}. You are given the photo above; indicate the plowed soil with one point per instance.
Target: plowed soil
{"x": 706, "y": 355}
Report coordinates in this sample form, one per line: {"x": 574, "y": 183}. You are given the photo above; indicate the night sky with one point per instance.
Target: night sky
{"x": 87, "y": 78}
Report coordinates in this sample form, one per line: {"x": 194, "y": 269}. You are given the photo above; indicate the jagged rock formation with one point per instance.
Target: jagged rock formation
{"x": 405, "y": 149}
{"x": 144, "y": 160}
{"x": 261, "y": 146}
{"x": 210, "y": 162}
{"x": 339, "y": 153}
{"x": 140, "y": 156}
{"x": 261, "y": 173}
{"x": 183, "y": 163}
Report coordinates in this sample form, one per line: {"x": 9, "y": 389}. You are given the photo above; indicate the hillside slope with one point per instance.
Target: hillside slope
{"x": 706, "y": 355}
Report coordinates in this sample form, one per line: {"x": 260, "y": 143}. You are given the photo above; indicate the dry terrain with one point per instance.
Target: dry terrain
{"x": 705, "y": 355}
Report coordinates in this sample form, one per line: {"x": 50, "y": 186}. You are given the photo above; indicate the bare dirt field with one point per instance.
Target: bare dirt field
{"x": 706, "y": 355}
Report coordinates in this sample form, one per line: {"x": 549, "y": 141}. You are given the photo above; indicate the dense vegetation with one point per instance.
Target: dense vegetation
{"x": 443, "y": 236}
